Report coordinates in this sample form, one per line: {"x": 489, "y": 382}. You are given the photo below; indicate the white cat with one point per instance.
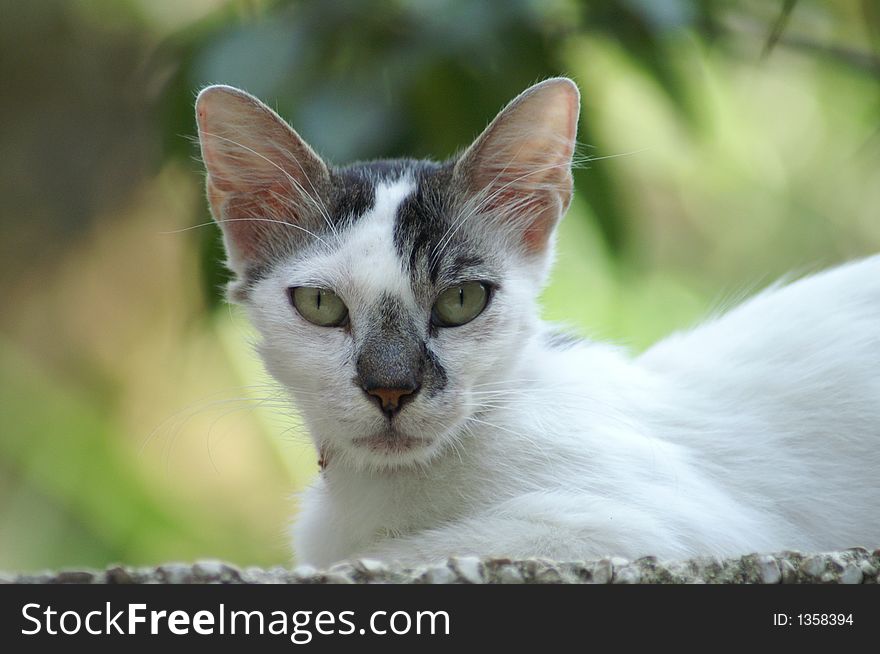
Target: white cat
{"x": 397, "y": 302}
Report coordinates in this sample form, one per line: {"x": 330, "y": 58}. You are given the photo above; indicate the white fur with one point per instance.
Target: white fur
{"x": 757, "y": 431}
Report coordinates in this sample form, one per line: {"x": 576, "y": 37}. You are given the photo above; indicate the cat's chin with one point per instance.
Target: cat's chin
{"x": 391, "y": 443}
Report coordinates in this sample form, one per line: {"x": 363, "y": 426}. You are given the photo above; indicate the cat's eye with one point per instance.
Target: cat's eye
{"x": 460, "y": 304}
{"x": 319, "y": 306}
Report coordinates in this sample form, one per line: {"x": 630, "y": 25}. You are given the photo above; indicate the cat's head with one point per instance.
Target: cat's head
{"x": 389, "y": 295}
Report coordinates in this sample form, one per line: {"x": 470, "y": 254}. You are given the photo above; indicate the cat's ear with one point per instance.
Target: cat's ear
{"x": 265, "y": 184}
{"x": 518, "y": 171}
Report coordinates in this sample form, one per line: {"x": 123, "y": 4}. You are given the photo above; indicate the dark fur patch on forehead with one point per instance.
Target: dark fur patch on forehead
{"x": 352, "y": 194}
{"x": 353, "y": 187}
{"x": 423, "y": 217}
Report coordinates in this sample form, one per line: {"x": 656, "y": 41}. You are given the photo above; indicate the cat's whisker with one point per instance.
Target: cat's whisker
{"x": 208, "y": 433}
{"x": 187, "y": 229}
{"x": 192, "y": 409}
{"x": 512, "y": 385}
{"x": 221, "y": 221}
{"x": 168, "y": 447}
{"x": 229, "y": 220}
{"x": 175, "y": 423}
{"x": 299, "y": 434}
{"x": 538, "y": 450}
{"x": 587, "y": 159}
{"x": 454, "y": 443}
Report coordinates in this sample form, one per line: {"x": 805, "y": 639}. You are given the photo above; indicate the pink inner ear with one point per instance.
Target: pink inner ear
{"x": 533, "y": 198}
{"x": 246, "y": 145}
{"x": 250, "y": 220}
{"x": 536, "y": 210}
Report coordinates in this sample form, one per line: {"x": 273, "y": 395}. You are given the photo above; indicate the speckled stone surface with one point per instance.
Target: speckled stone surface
{"x": 853, "y": 566}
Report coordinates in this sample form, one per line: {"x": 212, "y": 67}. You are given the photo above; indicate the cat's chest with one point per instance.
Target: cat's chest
{"x": 390, "y": 504}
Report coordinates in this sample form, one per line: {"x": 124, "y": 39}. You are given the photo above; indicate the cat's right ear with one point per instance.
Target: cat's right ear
{"x": 517, "y": 174}
{"x": 265, "y": 185}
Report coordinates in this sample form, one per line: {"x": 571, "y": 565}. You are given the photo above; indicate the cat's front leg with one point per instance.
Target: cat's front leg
{"x": 565, "y": 529}
{"x": 489, "y": 536}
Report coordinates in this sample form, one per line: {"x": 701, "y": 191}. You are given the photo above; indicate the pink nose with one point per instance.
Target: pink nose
{"x": 391, "y": 399}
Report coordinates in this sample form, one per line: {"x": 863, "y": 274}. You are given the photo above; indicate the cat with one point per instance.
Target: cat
{"x": 397, "y": 302}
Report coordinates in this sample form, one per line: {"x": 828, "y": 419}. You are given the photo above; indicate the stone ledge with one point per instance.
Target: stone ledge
{"x": 853, "y": 566}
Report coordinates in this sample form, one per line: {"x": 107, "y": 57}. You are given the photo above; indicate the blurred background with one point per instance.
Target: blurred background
{"x": 728, "y": 142}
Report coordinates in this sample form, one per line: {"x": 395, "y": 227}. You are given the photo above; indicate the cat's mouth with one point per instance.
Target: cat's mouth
{"x": 391, "y": 442}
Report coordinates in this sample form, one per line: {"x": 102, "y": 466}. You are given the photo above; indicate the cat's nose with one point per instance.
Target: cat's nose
{"x": 391, "y": 399}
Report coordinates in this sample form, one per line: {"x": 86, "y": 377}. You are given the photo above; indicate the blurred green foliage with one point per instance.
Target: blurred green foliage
{"x": 724, "y": 143}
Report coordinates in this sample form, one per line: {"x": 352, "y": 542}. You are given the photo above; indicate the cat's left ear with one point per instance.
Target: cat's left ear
{"x": 265, "y": 184}
{"x": 518, "y": 171}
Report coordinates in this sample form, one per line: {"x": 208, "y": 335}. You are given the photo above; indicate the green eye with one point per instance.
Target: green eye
{"x": 460, "y": 304}
{"x": 319, "y": 306}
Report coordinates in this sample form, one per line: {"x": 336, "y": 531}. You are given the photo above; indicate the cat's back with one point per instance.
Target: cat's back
{"x": 825, "y": 322}
{"x": 781, "y": 400}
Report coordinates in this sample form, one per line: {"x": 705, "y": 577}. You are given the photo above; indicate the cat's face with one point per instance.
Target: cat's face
{"x": 391, "y": 295}
{"x": 387, "y": 273}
